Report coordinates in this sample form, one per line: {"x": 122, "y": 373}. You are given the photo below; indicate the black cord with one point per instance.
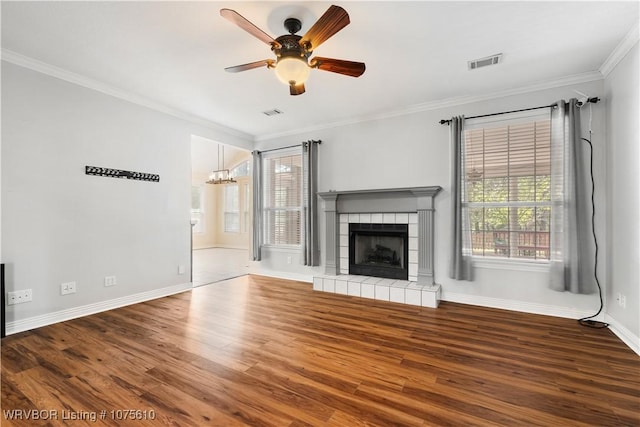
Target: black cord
{"x": 588, "y": 321}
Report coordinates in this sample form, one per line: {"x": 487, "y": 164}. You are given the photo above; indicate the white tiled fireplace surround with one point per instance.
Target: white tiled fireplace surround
{"x": 412, "y": 206}
{"x": 379, "y": 218}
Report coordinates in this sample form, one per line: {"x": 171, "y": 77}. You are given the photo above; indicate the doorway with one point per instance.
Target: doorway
{"x": 221, "y": 215}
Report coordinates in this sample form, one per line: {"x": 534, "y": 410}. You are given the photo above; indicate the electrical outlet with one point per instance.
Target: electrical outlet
{"x": 622, "y": 300}
{"x": 110, "y": 281}
{"x": 68, "y": 288}
{"x": 18, "y": 297}
{"x": 288, "y": 260}
{"x": 181, "y": 269}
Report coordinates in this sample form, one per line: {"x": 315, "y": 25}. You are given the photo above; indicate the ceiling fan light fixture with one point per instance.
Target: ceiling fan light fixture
{"x": 292, "y": 70}
{"x": 292, "y": 51}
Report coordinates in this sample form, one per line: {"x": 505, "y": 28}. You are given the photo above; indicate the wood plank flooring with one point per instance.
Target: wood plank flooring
{"x": 257, "y": 351}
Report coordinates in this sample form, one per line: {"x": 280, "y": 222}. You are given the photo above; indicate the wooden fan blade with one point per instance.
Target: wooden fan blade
{"x": 246, "y": 25}
{"x": 340, "y": 66}
{"x": 296, "y": 89}
{"x": 269, "y": 63}
{"x": 333, "y": 20}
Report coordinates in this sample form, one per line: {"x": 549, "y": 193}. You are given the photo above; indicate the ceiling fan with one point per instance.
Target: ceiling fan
{"x": 292, "y": 64}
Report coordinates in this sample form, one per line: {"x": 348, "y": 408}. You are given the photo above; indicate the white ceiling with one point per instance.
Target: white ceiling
{"x": 174, "y": 53}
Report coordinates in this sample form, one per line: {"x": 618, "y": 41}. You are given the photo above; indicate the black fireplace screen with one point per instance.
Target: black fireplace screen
{"x": 379, "y": 250}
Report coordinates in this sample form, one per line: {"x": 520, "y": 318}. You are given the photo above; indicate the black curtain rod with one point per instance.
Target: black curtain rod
{"x": 289, "y": 146}
{"x": 442, "y": 122}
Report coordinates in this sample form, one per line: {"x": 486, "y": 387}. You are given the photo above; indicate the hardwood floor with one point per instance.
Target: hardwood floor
{"x": 259, "y": 351}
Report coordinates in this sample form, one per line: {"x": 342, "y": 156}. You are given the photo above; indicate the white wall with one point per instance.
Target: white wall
{"x": 623, "y": 196}
{"x": 413, "y": 150}
{"x": 60, "y": 225}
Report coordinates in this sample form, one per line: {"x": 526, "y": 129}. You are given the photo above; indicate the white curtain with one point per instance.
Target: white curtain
{"x": 257, "y": 206}
{"x": 460, "y": 267}
{"x": 570, "y": 245}
{"x": 310, "y": 251}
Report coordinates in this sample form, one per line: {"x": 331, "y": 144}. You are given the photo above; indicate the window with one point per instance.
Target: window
{"x": 231, "y": 208}
{"x": 243, "y": 169}
{"x": 283, "y": 198}
{"x": 197, "y": 211}
{"x": 507, "y": 183}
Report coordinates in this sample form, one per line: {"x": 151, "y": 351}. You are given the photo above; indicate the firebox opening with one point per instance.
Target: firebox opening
{"x": 379, "y": 250}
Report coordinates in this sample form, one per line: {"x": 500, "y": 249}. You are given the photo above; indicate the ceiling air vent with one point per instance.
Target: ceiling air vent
{"x": 485, "y": 62}
{"x": 273, "y": 112}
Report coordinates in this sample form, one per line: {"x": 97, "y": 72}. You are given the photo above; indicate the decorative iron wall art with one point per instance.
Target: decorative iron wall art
{"x": 119, "y": 173}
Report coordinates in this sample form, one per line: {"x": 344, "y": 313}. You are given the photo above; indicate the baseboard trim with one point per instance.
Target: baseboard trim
{"x": 243, "y": 248}
{"x": 525, "y": 307}
{"x": 282, "y": 275}
{"x": 627, "y": 337}
{"x": 86, "y": 310}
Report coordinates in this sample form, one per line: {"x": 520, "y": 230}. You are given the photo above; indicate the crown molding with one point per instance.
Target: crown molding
{"x": 621, "y": 50}
{"x": 80, "y": 80}
{"x": 445, "y": 103}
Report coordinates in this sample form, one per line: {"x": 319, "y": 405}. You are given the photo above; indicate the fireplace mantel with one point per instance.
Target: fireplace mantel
{"x": 410, "y": 199}
{"x": 418, "y": 200}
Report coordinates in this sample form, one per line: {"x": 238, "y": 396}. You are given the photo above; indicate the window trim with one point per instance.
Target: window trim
{"x": 507, "y": 119}
{"x": 488, "y": 262}
{"x": 282, "y": 248}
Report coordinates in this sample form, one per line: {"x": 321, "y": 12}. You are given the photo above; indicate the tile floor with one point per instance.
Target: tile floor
{"x": 216, "y": 264}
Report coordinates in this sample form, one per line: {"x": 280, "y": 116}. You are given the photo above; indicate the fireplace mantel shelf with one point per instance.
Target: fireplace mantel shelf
{"x": 407, "y": 199}
{"x": 413, "y": 190}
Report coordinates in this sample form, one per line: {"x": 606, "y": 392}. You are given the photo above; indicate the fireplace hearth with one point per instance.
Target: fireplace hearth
{"x": 379, "y": 250}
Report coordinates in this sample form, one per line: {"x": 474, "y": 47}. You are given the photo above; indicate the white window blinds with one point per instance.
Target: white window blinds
{"x": 231, "y": 208}
{"x": 507, "y": 186}
{"x": 283, "y": 199}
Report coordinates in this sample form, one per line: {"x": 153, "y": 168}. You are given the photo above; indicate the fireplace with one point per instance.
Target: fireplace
{"x": 367, "y": 218}
{"x": 412, "y": 206}
{"x": 379, "y": 250}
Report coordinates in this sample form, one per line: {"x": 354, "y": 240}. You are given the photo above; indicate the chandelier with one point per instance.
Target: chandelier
{"x": 220, "y": 176}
